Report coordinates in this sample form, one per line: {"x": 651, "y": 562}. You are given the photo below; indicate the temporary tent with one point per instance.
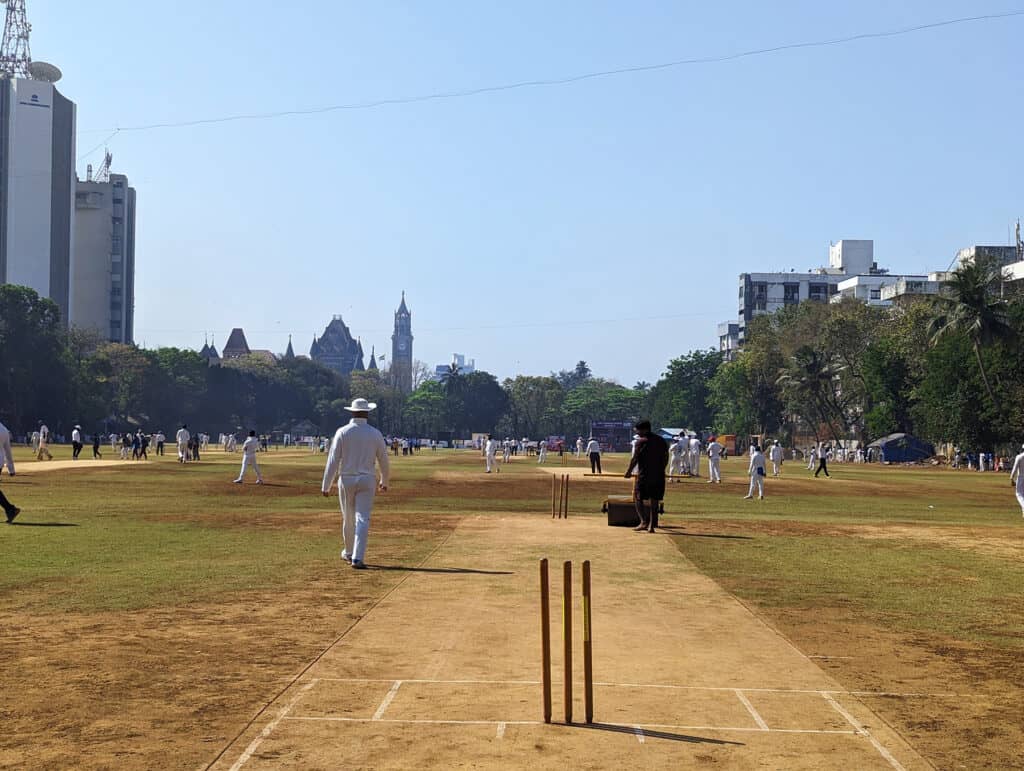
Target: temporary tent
{"x": 902, "y": 448}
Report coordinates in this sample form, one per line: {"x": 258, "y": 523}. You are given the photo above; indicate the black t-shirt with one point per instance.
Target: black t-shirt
{"x": 651, "y": 457}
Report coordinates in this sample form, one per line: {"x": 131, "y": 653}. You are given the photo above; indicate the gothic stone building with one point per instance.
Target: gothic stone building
{"x": 337, "y": 349}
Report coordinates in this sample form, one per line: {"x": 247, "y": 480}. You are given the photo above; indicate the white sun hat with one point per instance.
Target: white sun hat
{"x": 361, "y": 405}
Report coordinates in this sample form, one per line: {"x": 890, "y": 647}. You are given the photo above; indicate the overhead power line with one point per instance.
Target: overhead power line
{"x": 549, "y": 82}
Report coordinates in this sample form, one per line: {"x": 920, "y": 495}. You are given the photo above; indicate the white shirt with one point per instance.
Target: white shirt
{"x": 695, "y": 445}
{"x": 593, "y": 446}
{"x": 353, "y": 450}
{"x": 76, "y": 436}
{"x": 4, "y": 431}
{"x": 715, "y": 450}
{"x": 490, "y": 448}
{"x": 775, "y": 453}
{"x": 44, "y": 432}
{"x": 756, "y": 462}
{"x": 252, "y": 444}
{"x": 183, "y": 436}
{"x": 676, "y": 448}
{"x": 1017, "y": 472}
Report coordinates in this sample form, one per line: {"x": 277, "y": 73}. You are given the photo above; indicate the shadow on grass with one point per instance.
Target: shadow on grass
{"x": 42, "y": 524}
{"x": 457, "y": 571}
{"x": 646, "y": 732}
{"x": 678, "y": 530}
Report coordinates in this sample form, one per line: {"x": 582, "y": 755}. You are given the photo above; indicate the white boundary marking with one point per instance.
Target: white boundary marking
{"x": 639, "y": 734}
{"x": 388, "y": 698}
{"x": 269, "y": 727}
{"x": 861, "y": 729}
{"x": 501, "y": 731}
{"x": 753, "y": 712}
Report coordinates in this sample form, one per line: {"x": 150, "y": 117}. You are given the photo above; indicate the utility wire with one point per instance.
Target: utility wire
{"x": 524, "y": 84}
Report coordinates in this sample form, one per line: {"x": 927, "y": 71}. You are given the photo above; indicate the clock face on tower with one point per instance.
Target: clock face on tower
{"x": 401, "y": 347}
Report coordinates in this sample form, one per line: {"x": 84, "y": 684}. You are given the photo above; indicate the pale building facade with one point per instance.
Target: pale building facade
{"x": 103, "y": 273}
{"x": 37, "y": 188}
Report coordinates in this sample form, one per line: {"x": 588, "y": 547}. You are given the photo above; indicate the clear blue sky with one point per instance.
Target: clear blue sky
{"x": 513, "y": 218}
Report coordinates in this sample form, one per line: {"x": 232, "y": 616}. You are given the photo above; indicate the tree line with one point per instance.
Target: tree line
{"x": 945, "y": 369}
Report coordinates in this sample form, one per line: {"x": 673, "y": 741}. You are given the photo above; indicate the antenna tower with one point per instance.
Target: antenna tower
{"x": 103, "y": 172}
{"x": 15, "y": 56}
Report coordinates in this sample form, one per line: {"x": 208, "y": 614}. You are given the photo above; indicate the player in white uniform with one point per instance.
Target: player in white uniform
{"x": 249, "y": 450}
{"x": 756, "y": 471}
{"x": 490, "y": 451}
{"x": 351, "y": 460}
{"x": 1016, "y": 478}
{"x": 775, "y": 455}
{"x": 715, "y": 450}
{"x": 182, "y": 438}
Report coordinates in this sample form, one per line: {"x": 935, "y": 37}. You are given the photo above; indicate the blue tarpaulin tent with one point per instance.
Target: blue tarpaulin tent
{"x": 902, "y": 448}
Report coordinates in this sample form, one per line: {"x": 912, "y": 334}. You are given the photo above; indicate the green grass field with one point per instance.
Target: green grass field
{"x": 899, "y": 575}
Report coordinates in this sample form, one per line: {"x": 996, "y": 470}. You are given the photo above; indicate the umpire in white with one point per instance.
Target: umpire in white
{"x": 353, "y": 450}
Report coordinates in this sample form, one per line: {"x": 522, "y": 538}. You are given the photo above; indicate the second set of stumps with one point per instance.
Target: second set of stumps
{"x": 545, "y": 637}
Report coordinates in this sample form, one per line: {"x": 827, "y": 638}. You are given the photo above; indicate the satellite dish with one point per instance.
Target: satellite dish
{"x": 44, "y": 71}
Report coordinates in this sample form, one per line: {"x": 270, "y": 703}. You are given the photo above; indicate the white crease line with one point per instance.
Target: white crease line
{"x": 647, "y": 726}
{"x": 269, "y": 727}
{"x": 750, "y": 708}
{"x": 501, "y": 730}
{"x": 654, "y": 685}
{"x": 831, "y": 657}
{"x": 387, "y": 700}
{"x": 639, "y": 734}
{"x": 860, "y": 728}
{"x": 428, "y": 682}
{"x": 416, "y": 722}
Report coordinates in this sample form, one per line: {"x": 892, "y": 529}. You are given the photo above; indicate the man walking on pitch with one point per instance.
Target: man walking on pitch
{"x": 650, "y": 458}
{"x": 351, "y": 461}
{"x": 249, "y": 448}
{"x": 822, "y": 461}
{"x": 1016, "y": 478}
{"x": 756, "y": 472}
{"x": 76, "y": 442}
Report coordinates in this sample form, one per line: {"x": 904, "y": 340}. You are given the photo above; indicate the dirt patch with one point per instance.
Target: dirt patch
{"x": 968, "y": 712}
{"x": 169, "y": 687}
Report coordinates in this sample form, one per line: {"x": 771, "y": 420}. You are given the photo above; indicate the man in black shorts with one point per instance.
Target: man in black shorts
{"x": 650, "y": 459}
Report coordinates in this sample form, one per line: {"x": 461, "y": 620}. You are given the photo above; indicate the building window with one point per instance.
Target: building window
{"x": 876, "y": 294}
{"x": 116, "y": 291}
{"x": 791, "y": 294}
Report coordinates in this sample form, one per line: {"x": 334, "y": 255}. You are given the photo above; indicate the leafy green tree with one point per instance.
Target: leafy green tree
{"x": 534, "y": 406}
{"x": 681, "y": 397}
{"x": 971, "y": 305}
{"x": 33, "y": 368}
{"x": 425, "y": 410}
{"x": 570, "y": 379}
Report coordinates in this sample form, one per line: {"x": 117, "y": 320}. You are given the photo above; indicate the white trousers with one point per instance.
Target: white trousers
{"x": 756, "y": 483}
{"x": 1020, "y": 492}
{"x": 356, "y": 496}
{"x": 491, "y": 463}
{"x": 676, "y": 466}
{"x": 695, "y": 463}
{"x": 182, "y": 450}
{"x": 543, "y": 456}
{"x": 247, "y": 461}
{"x": 6, "y": 456}
{"x": 715, "y": 469}
{"x": 776, "y": 467}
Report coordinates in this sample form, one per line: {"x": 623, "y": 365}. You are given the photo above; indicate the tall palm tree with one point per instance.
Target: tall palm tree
{"x": 810, "y": 381}
{"x": 970, "y": 305}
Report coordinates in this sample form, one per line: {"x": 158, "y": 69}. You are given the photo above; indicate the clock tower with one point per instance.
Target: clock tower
{"x": 401, "y": 349}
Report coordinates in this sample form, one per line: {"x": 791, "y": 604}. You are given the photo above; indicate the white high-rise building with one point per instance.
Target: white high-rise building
{"x": 37, "y": 188}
